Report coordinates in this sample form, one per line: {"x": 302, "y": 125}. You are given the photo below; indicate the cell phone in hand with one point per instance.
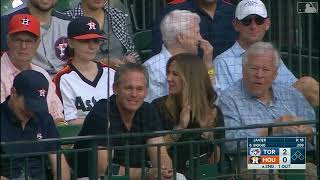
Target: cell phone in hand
{"x": 200, "y": 51}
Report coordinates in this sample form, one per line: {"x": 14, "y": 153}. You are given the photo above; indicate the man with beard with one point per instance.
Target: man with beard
{"x": 215, "y": 25}
{"x": 50, "y": 53}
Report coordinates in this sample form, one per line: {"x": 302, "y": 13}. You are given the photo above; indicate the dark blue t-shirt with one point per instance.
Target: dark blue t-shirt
{"x": 218, "y": 30}
{"x": 40, "y": 127}
{"x": 146, "y": 119}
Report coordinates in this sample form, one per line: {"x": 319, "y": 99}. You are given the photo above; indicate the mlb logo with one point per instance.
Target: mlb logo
{"x": 307, "y": 7}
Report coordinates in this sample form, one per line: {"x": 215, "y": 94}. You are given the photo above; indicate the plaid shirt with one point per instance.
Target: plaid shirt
{"x": 9, "y": 71}
{"x": 156, "y": 67}
{"x": 240, "y": 108}
{"x": 117, "y": 20}
{"x": 228, "y": 67}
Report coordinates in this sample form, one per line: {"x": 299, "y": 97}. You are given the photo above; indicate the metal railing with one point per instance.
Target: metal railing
{"x": 222, "y": 170}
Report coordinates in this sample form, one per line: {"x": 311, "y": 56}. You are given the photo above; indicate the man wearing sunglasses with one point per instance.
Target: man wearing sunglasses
{"x": 252, "y": 22}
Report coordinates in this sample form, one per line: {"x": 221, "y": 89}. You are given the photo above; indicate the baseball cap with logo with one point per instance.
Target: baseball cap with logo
{"x": 249, "y": 7}
{"x": 33, "y": 85}
{"x": 24, "y": 22}
{"x": 83, "y": 28}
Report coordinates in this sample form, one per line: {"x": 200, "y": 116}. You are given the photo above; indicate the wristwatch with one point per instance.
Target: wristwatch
{"x": 175, "y": 136}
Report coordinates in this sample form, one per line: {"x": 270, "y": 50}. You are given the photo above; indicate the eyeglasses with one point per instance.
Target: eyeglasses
{"x": 257, "y": 19}
{"x": 27, "y": 42}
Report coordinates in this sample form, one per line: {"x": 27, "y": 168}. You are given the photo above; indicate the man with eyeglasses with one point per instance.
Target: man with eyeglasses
{"x": 252, "y": 22}
{"x": 50, "y": 52}
{"x": 23, "y": 41}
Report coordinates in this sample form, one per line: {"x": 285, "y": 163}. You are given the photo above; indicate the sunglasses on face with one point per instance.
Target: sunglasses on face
{"x": 257, "y": 19}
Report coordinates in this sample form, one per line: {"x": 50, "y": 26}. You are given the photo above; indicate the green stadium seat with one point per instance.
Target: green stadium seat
{"x": 143, "y": 42}
{"x": 295, "y": 175}
{"x": 69, "y": 130}
{"x": 208, "y": 171}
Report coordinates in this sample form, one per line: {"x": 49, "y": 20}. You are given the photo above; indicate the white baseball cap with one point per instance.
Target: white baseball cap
{"x": 248, "y": 7}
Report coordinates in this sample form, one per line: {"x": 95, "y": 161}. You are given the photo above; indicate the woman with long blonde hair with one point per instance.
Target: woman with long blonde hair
{"x": 190, "y": 104}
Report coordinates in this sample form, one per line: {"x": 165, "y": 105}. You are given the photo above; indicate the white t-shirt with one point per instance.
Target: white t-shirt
{"x": 79, "y": 94}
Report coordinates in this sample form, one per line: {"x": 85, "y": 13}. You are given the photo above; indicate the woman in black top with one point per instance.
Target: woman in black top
{"x": 190, "y": 104}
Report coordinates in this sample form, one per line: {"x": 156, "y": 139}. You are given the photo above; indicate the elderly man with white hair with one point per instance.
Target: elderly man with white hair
{"x": 181, "y": 34}
{"x": 252, "y": 22}
{"x": 256, "y": 99}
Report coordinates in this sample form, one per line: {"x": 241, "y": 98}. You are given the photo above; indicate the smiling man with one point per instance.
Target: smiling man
{"x": 128, "y": 113}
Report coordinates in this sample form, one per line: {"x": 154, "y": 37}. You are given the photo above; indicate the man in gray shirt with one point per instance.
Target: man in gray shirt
{"x": 50, "y": 53}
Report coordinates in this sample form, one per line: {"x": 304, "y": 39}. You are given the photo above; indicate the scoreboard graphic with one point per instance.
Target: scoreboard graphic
{"x": 276, "y": 153}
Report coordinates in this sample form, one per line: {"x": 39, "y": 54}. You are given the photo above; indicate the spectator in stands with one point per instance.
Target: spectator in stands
{"x": 83, "y": 82}
{"x": 190, "y": 104}
{"x": 181, "y": 34}
{"x": 123, "y": 6}
{"x": 215, "y": 26}
{"x": 23, "y": 41}
{"x": 50, "y": 53}
{"x": 128, "y": 113}
{"x": 120, "y": 48}
{"x": 25, "y": 117}
{"x": 255, "y": 99}
{"x": 175, "y": 1}
{"x": 252, "y": 22}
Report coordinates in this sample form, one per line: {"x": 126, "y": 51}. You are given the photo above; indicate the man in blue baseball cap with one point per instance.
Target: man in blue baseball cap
{"x": 25, "y": 117}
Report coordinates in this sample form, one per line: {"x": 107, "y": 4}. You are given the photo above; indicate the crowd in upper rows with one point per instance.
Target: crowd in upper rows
{"x": 211, "y": 68}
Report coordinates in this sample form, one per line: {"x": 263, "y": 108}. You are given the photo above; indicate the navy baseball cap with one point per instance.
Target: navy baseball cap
{"x": 83, "y": 28}
{"x": 33, "y": 85}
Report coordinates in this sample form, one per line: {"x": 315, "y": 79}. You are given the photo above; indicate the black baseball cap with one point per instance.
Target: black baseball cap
{"x": 83, "y": 28}
{"x": 33, "y": 85}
